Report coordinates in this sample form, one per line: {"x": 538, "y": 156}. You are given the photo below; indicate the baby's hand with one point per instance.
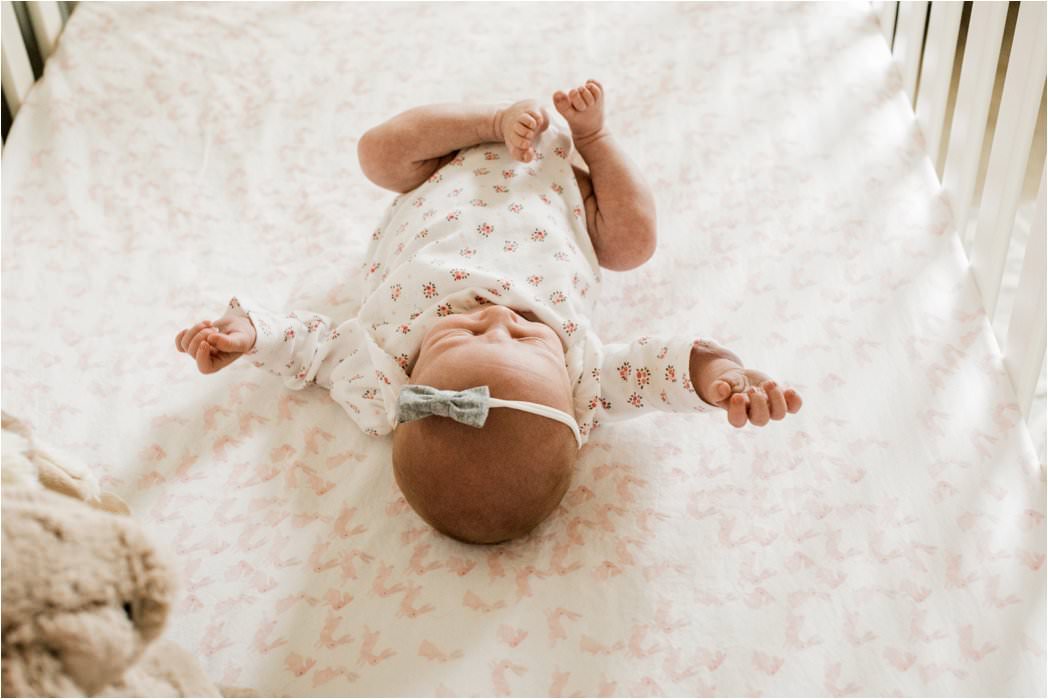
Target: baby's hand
{"x": 747, "y": 394}
{"x": 216, "y": 345}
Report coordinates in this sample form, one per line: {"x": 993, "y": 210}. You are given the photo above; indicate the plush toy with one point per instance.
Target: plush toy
{"x": 85, "y": 593}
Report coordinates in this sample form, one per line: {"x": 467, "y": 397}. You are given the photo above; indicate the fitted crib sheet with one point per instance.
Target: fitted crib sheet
{"x": 889, "y": 539}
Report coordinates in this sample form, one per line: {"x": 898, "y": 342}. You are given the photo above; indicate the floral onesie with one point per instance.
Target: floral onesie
{"x": 483, "y": 229}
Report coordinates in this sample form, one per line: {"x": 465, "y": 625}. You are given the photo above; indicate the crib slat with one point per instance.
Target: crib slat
{"x": 936, "y": 71}
{"x": 983, "y": 46}
{"x": 1024, "y": 350}
{"x": 886, "y": 18}
{"x": 47, "y": 25}
{"x": 1010, "y": 152}
{"x": 907, "y": 46}
{"x": 15, "y": 72}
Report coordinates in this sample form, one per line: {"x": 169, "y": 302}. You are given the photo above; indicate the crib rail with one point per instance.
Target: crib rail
{"x": 30, "y": 33}
{"x": 975, "y": 74}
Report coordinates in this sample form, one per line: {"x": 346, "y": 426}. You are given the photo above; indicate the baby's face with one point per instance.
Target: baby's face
{"x": 517, "y": 357}
{"x": 498, "y": 482}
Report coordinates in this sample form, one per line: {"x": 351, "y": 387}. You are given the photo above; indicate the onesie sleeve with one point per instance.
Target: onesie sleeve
{"x": 307, "y": 348}
{"x": 649, "y": 374}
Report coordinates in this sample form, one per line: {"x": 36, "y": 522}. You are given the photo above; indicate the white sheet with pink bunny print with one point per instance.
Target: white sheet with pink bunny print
{"x": 888, "y": 540}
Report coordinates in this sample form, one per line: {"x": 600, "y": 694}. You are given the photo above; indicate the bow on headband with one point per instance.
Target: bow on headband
{"x": 470, "y": 407}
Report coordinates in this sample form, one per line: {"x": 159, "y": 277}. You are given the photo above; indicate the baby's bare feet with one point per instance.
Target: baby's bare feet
{"x": 519, "y": 125}
{"x": 583, "y": 107}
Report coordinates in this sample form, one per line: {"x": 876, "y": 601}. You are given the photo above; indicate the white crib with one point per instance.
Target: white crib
{"x": 890, "y": 540}
{"x": 958, "y": 60}
{"x": 30, "y": 33}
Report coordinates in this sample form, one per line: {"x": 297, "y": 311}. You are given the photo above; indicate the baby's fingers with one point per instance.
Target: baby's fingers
{"x": 793, "y": 401}
{"x": 721, "y": 390}
{"x": 737, "y": 410}
{"x": 758, "y": 408}
{"x": 236, "y": 341}
{"x": 203, "y": 359}
{"x": 519, "y": 154}
{"x": 198, "y": 339}
{"x": 222, "y": 342}
{"x": 187, "y": 336}
{"x": 776, "y": 401}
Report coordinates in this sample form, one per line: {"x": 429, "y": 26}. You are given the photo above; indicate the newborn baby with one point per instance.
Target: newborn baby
{"x": 473, "y": 343}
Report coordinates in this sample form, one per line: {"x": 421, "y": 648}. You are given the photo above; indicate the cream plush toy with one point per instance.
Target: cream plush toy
{"x": 85, "y": 592}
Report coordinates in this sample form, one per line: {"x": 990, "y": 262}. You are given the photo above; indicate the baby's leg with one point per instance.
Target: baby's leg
{"x": 403, "y": 152}
{"x": 620, "y": 207}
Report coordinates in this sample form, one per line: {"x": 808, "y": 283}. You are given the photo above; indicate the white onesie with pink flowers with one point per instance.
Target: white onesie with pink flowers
{"x": 483, "y": 229}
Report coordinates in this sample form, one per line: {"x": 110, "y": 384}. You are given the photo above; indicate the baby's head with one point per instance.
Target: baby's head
{"x": 495, "y": 483}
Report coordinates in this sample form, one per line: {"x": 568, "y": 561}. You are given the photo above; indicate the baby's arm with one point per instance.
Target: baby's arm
{"x": 682, "y": 374}
{"x": 400, "y": 154}
{"x": 304, "y": 348}
{"x": 620, "y": 207}
{"x": 300, "y": 347}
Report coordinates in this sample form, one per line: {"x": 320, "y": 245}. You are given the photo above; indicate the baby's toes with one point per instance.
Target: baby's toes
{"x": 587, "y": 96}
{"x": 561, "y": 102}
{"x": 595, "y": 88}
{"x": 576, "y": 100}
{"x": 793, "y": 400}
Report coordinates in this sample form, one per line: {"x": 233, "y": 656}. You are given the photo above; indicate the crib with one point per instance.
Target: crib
{"x": 1006, "y": 69}
{"x": 850, "y": 194}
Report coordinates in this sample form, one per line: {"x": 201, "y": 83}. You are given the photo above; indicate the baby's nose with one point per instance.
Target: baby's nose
{"x": 496, "y": 313}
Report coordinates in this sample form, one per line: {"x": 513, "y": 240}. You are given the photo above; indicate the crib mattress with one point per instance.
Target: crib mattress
{"x": 888, "y": 540}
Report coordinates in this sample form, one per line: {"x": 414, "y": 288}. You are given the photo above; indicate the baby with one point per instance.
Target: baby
{"x": 473, "y": 344}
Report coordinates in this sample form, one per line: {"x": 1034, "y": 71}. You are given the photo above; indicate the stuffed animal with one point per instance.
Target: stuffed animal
{"x": 26, "y": 464}
{"x": 85, "y": 592}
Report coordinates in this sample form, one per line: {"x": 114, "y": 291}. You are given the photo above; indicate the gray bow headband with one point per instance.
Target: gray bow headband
{"x": 470, "y": 407}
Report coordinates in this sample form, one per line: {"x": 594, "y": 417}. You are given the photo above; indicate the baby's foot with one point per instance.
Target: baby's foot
{"x": 520, "y": 124}
{"x": 583, "y": 107}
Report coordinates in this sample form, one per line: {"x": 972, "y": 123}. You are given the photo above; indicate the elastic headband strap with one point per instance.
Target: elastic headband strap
{"x": 543, "y": 410}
